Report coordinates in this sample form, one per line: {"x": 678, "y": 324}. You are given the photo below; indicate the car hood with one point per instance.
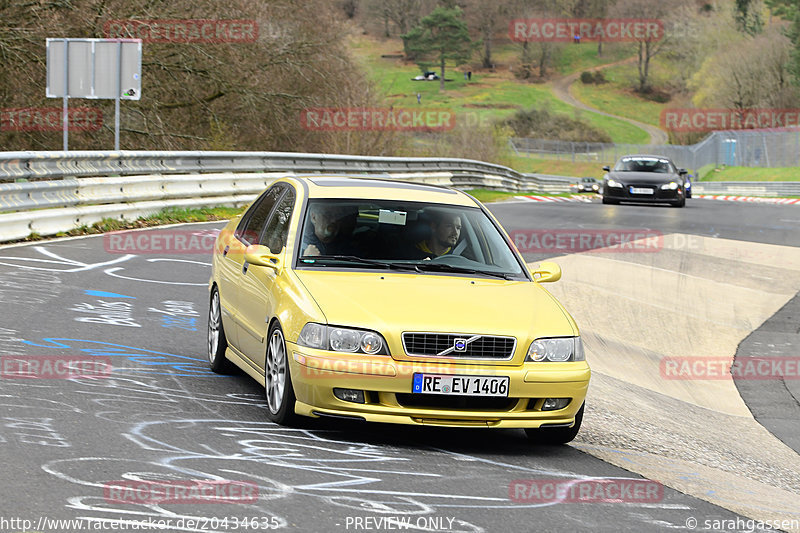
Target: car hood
{"x": 643, "y": 177}
{"x": 392, "y": 303}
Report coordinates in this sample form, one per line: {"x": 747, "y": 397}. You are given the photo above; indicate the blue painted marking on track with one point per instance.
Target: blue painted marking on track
{"x": 147, "y": 361}
{"x": 105, "y": 294}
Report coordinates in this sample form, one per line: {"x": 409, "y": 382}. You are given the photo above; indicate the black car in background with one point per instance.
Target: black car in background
{"x": 585, "y": 185}
{"x": 645, "y": 178}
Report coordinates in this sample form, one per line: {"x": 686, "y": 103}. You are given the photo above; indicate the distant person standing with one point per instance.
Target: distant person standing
{"x": 419, "y": 98}
{"x": 469, "y": 75}
{"x": 465, "y": 76}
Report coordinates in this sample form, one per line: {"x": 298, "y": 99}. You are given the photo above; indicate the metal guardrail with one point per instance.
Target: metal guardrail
{"x": 59, "y": 165}
{"x": 748, "y": 188}
{"x": 51, "y": 192}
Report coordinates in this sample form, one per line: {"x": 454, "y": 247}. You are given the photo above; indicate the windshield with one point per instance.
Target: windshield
{"x": 643, "y": 164}
{"x": 413, "y": 236}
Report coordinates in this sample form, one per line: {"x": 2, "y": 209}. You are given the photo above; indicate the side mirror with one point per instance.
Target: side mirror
{"x": 546, "y": 272}
{"x": 682, "y": 171}
{"x": 607, "y": 168}
{"x": 260, "y": 255}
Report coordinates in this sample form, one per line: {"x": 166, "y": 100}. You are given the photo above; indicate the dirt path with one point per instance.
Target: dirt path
{"x": 561, "y": 90}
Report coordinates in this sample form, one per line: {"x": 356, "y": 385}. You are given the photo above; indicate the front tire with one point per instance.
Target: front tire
{"x": 679, "y": 203}
{"x": 608, "y": 201}
{"x": 217, "y": 343}
{"x": 278, "y": 379}
{"x": 556, "y": 436}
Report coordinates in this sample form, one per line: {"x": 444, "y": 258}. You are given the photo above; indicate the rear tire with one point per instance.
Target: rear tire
{"x": 217, "y": 343}
{"x": 556, "y": 436}
{"x": 278, "y": 379}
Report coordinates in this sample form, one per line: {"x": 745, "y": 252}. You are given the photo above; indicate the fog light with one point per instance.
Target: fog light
{"x": 349, "y": 395}
{"x": 553, "y": 404}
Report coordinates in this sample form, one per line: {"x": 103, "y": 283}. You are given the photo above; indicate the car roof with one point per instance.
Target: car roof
{"x": 645, "y": 156}
{"x": 365, "y": 187}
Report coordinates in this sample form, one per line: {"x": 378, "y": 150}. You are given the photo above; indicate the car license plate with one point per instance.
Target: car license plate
{"x": 460, "y": 385}
{"x": 641, "y": 190}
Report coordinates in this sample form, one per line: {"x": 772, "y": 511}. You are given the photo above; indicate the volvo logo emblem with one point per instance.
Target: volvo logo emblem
{"x": 460, "y": 345}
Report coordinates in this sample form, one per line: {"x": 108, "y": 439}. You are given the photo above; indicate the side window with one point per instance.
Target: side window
{"x": 277, "y": 230}
{"x": 255, "y": 219}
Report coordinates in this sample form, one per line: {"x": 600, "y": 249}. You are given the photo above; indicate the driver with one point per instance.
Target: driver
{"x": 445, "y": 232}
{"x": 333, "y": 230}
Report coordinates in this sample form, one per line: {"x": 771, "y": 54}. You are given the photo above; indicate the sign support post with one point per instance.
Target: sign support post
{"x": 65, "y": 103}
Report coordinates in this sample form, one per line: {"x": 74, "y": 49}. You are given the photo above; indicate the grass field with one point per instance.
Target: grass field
{"x": 751, "y": 174}
{"x": 575, "y": 58}
{"x": 489, "y": 96}
{"x": 618, "y": 98}
{"x": 556, "y": 168}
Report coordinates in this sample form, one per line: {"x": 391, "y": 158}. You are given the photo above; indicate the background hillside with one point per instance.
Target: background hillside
{"x": 351, "y": 53}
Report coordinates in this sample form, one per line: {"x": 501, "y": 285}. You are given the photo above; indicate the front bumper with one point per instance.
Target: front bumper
{"x": 659, "y": 195}
{"x": 387, "y": 386}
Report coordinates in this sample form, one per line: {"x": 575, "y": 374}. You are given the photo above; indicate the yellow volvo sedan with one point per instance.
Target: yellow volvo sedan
{"x": 387, "y": 301}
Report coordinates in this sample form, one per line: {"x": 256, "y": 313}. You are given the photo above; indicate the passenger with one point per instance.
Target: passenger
{"x": 332, "y": 230}
{"x": 445, "y": 232}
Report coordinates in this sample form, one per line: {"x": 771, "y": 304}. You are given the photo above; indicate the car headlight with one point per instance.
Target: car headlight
{"x": 595, "y": 187}
{"x": 687, "y": 185}
{"x": 338, "y": 339}
{"x": 614, "y": 183}
{"x": 672, "y": 185}
{"x": 558, "y": 350}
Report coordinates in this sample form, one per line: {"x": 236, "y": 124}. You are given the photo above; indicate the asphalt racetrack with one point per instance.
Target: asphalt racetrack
{"x": 720, "y": 272}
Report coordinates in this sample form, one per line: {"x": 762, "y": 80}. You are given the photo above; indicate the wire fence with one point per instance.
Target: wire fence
{"x": 762, "y": 148}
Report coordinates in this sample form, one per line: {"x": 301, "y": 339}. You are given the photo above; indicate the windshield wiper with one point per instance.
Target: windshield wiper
{"x": 310, "y": 259}
{"x": 426, "y": 265}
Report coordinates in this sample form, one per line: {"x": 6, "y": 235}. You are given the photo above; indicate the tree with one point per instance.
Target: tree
{"x": 540, "y": 54}
{"x": 754, "y": 74}
{"x": 748, "y": 16}
{"x": 790, "y": 10}
{"x": 442, "y": 36}
{"x": 701, "y": 34}
{"x": 487, "y": 18}
{"x": 592, "y": 9}
{"x": 647, "y": 48}
{"x": 247, "y": 95}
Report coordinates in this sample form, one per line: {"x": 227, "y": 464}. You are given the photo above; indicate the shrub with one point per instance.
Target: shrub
{"x": 544, "y": 124}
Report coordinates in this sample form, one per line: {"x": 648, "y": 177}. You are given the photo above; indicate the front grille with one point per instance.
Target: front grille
{"x": 470, "y": 403}
{"x": 450, "y": 344}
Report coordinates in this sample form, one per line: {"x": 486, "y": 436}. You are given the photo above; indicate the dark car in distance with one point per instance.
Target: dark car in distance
{"x": 646, "y": 179}
{"x": 585, "y": 185}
